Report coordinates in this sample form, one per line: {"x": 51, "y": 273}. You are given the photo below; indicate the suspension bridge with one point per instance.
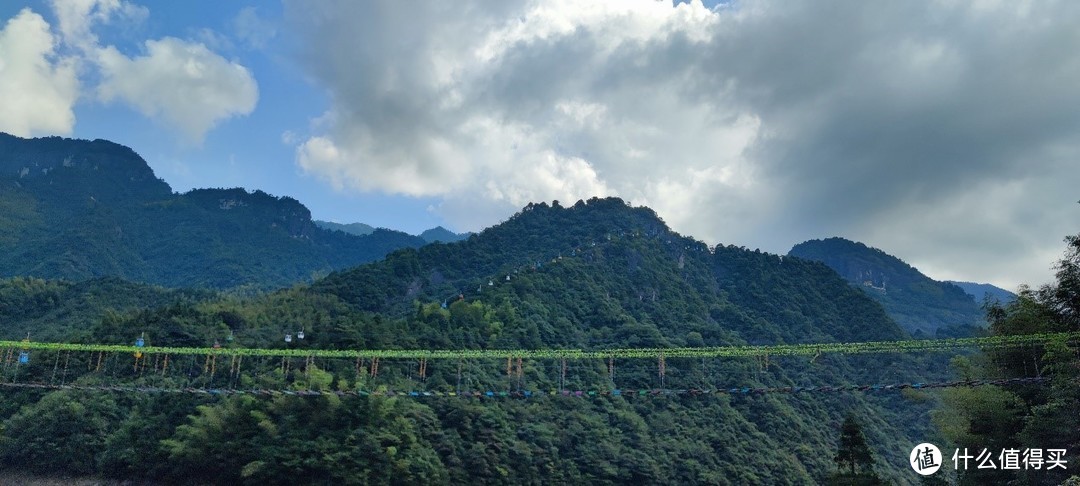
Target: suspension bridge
{"x": 418, "y": 373}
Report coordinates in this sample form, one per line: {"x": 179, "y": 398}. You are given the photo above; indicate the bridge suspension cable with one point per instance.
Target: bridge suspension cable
{"x": 806, "y": 349}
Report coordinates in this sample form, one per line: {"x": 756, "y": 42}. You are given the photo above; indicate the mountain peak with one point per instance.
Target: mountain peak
{"x": 442, "y": 235}
{"x": 857, "y": 262}
{"x": 597, "y": 214}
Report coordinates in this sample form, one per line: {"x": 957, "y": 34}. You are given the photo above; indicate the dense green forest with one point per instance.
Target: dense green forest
{"x": 57, "y": 310}
{"x": 596, "y": 275}
{"x": 75, "y": 209}
{"x": 921, "y": 305}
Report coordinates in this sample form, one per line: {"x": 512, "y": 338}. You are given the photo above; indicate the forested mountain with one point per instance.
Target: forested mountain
{"x": 358, "y": 229}
{"x": 442, "y": 235}
{"x": 598, "y": 275}
{"x": 75, "y": 209}
{"x": 981, "y": 292}
{"x": 623, "y": 267}
{"x": 921, "y": 305}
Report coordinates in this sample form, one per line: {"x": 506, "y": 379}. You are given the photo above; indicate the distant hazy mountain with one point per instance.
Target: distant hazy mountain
{"x": 358, "y": 229}
{"x": 432, "y": 235}
{"x": 443, "y": 235}
{"x": 981, "y": 291}
{"x": 76, "y": 209}
{"x": 918, "y": 303}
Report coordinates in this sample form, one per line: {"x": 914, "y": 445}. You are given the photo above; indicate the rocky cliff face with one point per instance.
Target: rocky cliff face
{"x": 258, "y": 208}
{"x": 100, "y": 169}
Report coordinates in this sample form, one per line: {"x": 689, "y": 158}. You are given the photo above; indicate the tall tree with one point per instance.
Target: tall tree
{"x": 1063, "y": 296}
{"x": 853, "y": 452}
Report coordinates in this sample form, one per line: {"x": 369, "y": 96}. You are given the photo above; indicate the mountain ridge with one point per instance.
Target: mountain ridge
{"x": 77, "y": 209}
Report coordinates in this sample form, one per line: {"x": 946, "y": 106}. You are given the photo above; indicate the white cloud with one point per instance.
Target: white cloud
{"x": 424, "y": 110}
{"x": 761, "y": 123}
{"x": 77, "y": 18}
{"x": 37, "y": 87}
{"x": 256, "y": 31}
{"x": 183, "y": 83}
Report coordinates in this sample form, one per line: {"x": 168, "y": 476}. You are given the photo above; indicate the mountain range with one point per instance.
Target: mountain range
{"x": 75, "y": 209}
{"x": 599, "y": 274}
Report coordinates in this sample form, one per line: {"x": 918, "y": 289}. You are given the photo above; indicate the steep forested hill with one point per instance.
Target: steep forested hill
{"x": 57, "y": 310}
{"x": 76, "y": 209}
{"x": 619, "y": 266}
{"x": 921, "y": 305}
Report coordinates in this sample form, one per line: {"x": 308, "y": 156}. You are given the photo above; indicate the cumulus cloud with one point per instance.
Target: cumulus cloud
{"x": 37, "y": 87}
{"x": 471, "y": 103}
{"x": 927, "y": 128}
{"x": 179, "y": 82}
{"x": 183, "y": 83}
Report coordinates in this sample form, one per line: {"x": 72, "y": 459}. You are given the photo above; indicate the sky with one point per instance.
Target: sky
{"x": 944, "y": 132}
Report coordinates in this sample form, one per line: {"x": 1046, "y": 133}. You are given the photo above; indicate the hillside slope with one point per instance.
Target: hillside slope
{"x": 57, "y": 310}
